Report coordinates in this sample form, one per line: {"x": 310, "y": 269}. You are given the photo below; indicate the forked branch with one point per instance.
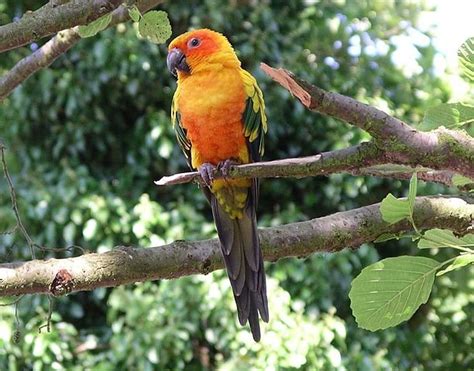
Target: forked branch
{"x": 436, "y": 156}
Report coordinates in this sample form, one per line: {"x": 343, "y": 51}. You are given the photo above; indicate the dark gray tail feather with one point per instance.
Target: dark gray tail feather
{"x": 244, "y": 262}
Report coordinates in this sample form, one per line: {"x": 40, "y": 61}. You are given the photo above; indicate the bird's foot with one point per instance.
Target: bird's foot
{"x": 206, "y": 171}
{"x": 224, "y": 166}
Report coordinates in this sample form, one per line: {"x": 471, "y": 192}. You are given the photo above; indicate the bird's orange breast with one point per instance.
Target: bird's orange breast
{"x": 211, "y": 104}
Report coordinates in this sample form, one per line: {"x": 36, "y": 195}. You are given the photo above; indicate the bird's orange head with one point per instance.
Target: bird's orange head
{"x": 198, "y": 50}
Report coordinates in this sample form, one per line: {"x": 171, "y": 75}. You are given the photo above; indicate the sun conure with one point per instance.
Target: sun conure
{"x": 218, "y": 114}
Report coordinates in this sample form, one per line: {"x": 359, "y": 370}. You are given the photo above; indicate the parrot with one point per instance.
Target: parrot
{"x": 218, "y": 115}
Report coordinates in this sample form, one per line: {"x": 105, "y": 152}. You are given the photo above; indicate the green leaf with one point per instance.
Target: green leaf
{"x": 386, "y": 237}
{"x": 391, "y": 236}
{"x": 134, "y": 13}
{"x": 95, "y": 27}
{"x": 436, "y": 238}
{"x": 459, "y": 262}
{"x": 393, "y": 210}
{"x": 155, "y": 26}
{"x": 389, "y": 292}
{"x": 459, "y": 180}
{"x": 466, "y": 58}
{"x": 449, "y": 115}
{"x": 412, "y": 192}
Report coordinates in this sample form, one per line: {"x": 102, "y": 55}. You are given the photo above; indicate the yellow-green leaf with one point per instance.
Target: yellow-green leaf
{"x": 459, "y": 262}
{"x": 95, "y": 27}
{"x": 436, "y": 238}
{"x": 386, "y": 237}
{"x": 466, "y": 58}
{"x": 412, "y": 192}
{"x": 389, "y": 292}
{"x": 449, "y": 115}
{"x": 393, "y": 210}
{"x": 134, "y": 13}
{"x": 390, "y": 236}
{"x": 459, "y": 180}
{"x": 155, "y": 26}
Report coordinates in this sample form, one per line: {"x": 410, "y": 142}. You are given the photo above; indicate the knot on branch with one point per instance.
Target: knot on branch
{"x": 62, "y": 284}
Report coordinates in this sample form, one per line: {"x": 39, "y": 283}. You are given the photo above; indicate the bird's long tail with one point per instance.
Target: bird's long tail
{"x": 244, "y": 261}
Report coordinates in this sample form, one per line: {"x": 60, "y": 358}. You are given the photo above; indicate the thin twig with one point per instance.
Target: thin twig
{"x": 61, "y": 249}
{"x": 13, "y": 302}
{"x": 11, "y": 188}
{"x": 9, "y": 231}
{"x": 17, "y": 333}
{"x": 48, "y": 319}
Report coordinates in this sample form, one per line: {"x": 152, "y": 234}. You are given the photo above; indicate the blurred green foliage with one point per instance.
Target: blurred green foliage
{"x": 87, "y": 137}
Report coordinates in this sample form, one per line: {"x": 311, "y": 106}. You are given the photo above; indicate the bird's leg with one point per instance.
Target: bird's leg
{"x": 224, "y": 166}
{"x": 206, "y": 171}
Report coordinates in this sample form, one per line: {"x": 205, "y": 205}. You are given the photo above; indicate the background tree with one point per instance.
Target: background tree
{"x": 87, "y": 137}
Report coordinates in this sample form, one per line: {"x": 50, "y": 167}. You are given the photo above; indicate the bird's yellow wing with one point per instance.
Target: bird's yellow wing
{"x": 179, "y": 130}
{"x": 254, "y": 119}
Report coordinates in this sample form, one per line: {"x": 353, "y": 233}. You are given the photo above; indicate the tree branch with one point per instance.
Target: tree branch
{"x": 444, "y": 177}
{"x": 55, "y": 47}
{"x": 440, "y": 153}
{"x": 441, "y": 149}
{"x": 363, "y": 159}
{"x": 127, "y": 265}
{"x": 52, "y": 18}
{"x": 362, "y": 155}
{"x": 41, "y": 58}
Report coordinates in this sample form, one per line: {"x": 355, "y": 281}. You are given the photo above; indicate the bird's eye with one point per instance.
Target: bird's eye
{"x": 194, "y": 43}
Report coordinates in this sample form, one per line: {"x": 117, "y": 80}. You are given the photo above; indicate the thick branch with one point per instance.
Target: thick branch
{"x": 441, "y": 149}
{"x": 127, "y": 265}
{"x": 55, "y": 47}
{"x": 52, "y": 18}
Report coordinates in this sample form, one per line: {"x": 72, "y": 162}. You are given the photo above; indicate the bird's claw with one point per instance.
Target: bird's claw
{"x": 206, "y": 171}
{"x": 224, "y": 166}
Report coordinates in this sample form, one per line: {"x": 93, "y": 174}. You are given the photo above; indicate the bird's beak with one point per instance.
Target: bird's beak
{"x": 176, "y": 61}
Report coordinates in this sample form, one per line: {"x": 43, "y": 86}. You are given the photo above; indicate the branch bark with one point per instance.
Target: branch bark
{"x": 52, "y": 18}
{"x": 362, "y": 155}
{"x": 126, "y": 265}
{"x": 363, "y": 159}
{"x": 444, "y": 177}
{"x": 55, "y": 47}
{"x": 39, "y": 59}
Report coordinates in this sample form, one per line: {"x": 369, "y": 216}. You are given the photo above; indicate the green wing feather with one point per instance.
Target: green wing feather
{"x": 255, "y": 121}
{"x": 252, "y": 299}
{"x": 179, "y": 130}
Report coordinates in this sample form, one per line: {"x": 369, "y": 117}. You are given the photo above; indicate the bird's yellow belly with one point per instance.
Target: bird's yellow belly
{"x": 211, "y": 107}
